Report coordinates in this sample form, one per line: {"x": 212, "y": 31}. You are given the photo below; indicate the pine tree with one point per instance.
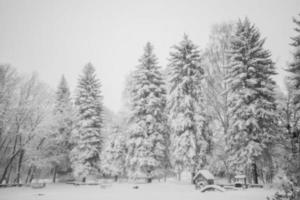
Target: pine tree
{"x": 87, "y": 136}
{"x": 58, "y": 143}
{"x": 114, "y": 154}
{"x": 294, "y": 133}
{"x": 147, "y": 144}
{"x": 252, "y": 102}
{"x": 184, "y": 78}
{"x": 294, "y": 67}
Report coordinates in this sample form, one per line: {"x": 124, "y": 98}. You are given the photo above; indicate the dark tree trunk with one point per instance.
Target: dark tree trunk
{"x": 193, "y": 175}
{"x": 116, "y": 178}
{"x": 54, "y": 174}
{"x": 254, "y": 173}
{"x": 20, "y": 166}
{"x": 263, "y": 176}
{"x": 83, "y": 179}
{"x": 7, "y": 166}
{"x": 11, "y": 166}
{"x": 7, "y": 178}
{"x": 28, "y": 174}
{"x": 32, "y": 175}
{"x": 248, "y": 173}
{"x": 149, "y": 180}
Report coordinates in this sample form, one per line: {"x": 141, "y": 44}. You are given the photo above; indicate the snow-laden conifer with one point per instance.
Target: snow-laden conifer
{"x": 147, "y": 143}
{"x": 252, "y": 102}
{"x": 87, "y": 138}
{"x": 58, "y": 144}
{"x": 294, "y": 89}
{"x": 184, "y": 97}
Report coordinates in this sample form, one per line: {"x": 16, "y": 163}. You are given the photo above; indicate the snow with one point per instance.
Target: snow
{"x": 122, "y": 191}
{"x": 205, "y": 173}
{"x": 240, "y": 176}
{"x": 212, "y": 187}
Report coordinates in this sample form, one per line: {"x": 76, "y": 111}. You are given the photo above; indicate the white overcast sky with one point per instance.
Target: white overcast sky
{"x": 55, "y": 37}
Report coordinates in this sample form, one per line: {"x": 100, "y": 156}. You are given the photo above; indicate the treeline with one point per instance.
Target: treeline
{"x": 218, "y": 108}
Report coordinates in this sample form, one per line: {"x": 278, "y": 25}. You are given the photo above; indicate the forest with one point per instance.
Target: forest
{"x": 216, "y": 108}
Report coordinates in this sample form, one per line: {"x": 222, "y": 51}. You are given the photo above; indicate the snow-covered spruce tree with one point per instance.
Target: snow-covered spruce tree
{"x": 184, "y": 74}
{"x": 294, "y": 67}
{"x": 252, "y": 102}
{"x": 58, "y": 144}
{"x": 147, "y": 142}
{"x": 114, "y": 154}
{"x": 85, "y": 155}
{"x": 294, "y": 129}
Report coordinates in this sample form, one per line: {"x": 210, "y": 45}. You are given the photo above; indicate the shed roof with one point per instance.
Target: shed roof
{"x": 240, "y": 176}
{"x": 205, "y": 173}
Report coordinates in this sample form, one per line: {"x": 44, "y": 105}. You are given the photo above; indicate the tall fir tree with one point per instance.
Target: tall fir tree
{"x": 85, "y": 155}
{"x": 184, "y": 80}
{"x": 147, "y": 143}
{"x": 294, "y": 130}
{"x": 252, "y": 102}
{"x": 294, "y": 67}
{"x": 58, "y": 143}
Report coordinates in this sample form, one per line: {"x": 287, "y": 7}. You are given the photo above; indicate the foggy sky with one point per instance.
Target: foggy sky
{"x": 55, "y": 37}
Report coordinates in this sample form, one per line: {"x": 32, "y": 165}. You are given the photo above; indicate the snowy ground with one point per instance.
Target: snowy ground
{"x": 124, "y": 191}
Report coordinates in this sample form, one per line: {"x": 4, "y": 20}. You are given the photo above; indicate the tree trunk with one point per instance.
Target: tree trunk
{"x": 3, "y": 142}
{"x": 54, "y": 174}
{"x": 179, "y": 176}
{"x": 229, "y": 177}
{"x": 8, "y": 165}
{"x": 32, "y": 176}
{"x": 248, "y": 173}
{"x": 20, "y": 165}
{"x": 33, "y": 171}
{"x": 263, "y": 176}
{"x": 254, "y": 173}
{"x": 7, "y": 178}
{"x": 116, "y": 178}
{"x": 149, "y": 180}
{"x": 28, "y": 174}
{"x": 298, "y": 158}
{"x": 272, "y": 170}
{"x": 227, "y": 172}
{"x": 83, "y": 179}
{"x": 11, "y": 166}
{"x": 193, "y": 175}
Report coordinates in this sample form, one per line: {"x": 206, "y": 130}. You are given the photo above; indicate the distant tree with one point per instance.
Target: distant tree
{"x": 216, "y": 61}
{"x": 87, "y": 138}
{"x": 58, "y": 143}
{"x": 114, "y": 154}
{"x": 147, "y": 142}
{"x": 216, "y": 71}
{"x": 9, "y": 81}
{"x": 252, "y": 101}
{"x": 294, "y": 128}
{"x": 289, "y": 118}
{"x": 25, "y": 118}
{"x": 184, "y": 74}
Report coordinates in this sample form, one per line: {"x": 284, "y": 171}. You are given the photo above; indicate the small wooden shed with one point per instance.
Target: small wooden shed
{"x": 240, "y": 180}
{"x": 204, "y": 177}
